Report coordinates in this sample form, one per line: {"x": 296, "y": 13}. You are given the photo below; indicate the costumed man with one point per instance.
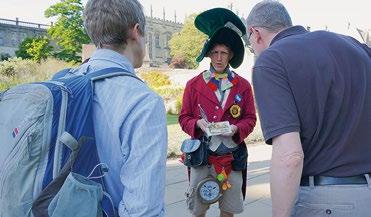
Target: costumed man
{"x": 215, "y": 95}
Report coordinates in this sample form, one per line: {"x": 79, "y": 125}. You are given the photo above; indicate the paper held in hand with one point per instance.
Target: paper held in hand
{"x": 218, "y": 128}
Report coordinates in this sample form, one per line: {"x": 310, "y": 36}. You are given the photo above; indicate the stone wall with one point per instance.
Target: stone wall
{"x": 13, "y": 32}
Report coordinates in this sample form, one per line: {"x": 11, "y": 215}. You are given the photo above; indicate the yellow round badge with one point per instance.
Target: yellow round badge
{"x": 235, "y": 111}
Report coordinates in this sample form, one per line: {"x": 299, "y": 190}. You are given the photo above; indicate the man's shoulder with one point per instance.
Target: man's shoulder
{"x": 196, "y": 80}
{"x": 243, "y": 82}
{"x": 308, "y": 41}
{"x": 239, "y": 77}
{"x": 269, "y": 58}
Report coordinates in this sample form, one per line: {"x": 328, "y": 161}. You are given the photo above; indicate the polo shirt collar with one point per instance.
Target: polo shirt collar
{"x": 294, "y": 30}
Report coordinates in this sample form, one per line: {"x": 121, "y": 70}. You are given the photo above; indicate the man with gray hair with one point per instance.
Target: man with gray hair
{"x": 129, "y": 118}
{"x": 313, "y": 92}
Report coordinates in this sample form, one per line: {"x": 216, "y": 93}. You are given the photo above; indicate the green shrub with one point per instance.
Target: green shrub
{"x": 18, "y": 68}
{"x": 172, "y": 97}
{"x": 7, "y": 70}
{"x": 155, "y": 79}
{"x": 36, "y": 48}
{"x": 169, "y": 92}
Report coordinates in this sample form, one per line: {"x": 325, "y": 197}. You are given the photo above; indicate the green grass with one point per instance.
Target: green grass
{"x": 171, "y": 119}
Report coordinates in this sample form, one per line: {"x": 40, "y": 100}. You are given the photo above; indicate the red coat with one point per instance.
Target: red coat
{"x": 197, "y": 92}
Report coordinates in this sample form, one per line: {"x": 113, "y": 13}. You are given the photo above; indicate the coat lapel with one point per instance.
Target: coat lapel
{"x": 232, "y": 94}
{"x": 205, "y": 91}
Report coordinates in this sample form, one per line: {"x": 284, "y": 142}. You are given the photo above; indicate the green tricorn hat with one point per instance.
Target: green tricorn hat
{"x": 223, "y": 27}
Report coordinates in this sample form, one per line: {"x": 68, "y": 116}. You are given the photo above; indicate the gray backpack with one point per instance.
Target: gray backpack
{"x": 42, "y": 126}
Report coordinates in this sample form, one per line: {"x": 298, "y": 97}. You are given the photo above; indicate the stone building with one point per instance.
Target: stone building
{"x": 158, "y": 34}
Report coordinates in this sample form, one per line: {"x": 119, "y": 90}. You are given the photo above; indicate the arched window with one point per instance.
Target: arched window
{"x": 157, "y": 40}
{"x": 150, "y": 44}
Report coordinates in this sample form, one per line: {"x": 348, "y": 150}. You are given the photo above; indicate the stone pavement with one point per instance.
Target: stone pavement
{"x": 257, "y": 203}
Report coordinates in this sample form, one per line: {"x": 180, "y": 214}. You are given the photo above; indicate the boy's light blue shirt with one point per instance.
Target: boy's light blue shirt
{"x": 131, "y": 136}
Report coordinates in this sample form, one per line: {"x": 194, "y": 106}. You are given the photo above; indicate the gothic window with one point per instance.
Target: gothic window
{"x": 150, "y": 45}
{"x": 157, "y": 40}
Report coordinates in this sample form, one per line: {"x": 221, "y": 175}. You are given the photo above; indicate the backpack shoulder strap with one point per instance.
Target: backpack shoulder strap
{"x": 61, "y": 73}
{"x": 110, "y": 72}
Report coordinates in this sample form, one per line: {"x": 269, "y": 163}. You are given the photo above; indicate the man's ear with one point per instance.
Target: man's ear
{"x": 258, "y": 36}
{"x": 135, "y": 32}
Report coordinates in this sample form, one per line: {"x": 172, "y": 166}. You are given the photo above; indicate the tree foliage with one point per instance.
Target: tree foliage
{"x": 22, "y": 49}
{"x": 188, "y": 43}
{"x": 34, "y": 48}
{"x": 68, "y": 31}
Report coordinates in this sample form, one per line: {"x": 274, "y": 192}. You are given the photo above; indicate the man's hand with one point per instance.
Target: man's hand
{"x": 234, "y": 129}
{"x": 202, "y": 124}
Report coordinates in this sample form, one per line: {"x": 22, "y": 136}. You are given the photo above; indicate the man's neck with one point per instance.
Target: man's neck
{"x": 269, "y": 38}
{"x": 129, "y": 55}
{"x": 124, "y": 50}
{"x": 272, "y": 35}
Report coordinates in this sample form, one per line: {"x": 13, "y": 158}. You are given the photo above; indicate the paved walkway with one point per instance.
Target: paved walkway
{"x": 257, "y": 203}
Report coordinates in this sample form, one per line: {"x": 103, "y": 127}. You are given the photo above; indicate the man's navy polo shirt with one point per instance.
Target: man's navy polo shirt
{"x": 318, "y": 84}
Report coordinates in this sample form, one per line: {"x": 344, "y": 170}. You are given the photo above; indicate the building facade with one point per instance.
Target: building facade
{"x": 158, "y": 34}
